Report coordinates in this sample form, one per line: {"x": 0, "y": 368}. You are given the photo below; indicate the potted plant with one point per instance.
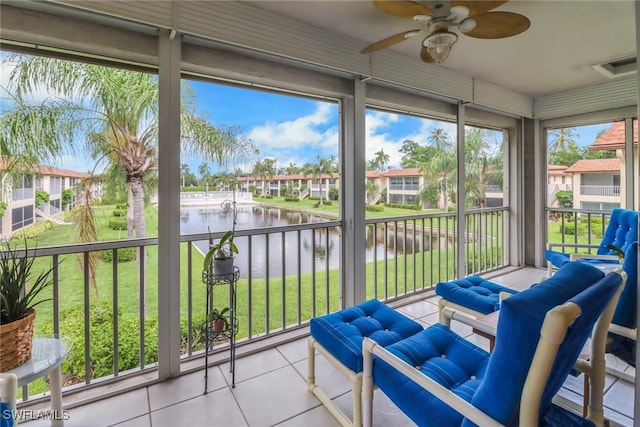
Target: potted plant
{"x": 218, "y": 319}
{"x": 220, "y": 255}
{"x": 19, "y": 289}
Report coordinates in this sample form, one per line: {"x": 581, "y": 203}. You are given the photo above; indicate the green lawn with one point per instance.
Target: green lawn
{"x": 333, "y": 209}
{"x": 264, "y": 306}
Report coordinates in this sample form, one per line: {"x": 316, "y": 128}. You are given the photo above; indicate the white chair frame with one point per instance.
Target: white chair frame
{"x": 552, "y": 334}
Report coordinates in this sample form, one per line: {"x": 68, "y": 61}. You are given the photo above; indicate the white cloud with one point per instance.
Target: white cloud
{"x": 314, "y": 132}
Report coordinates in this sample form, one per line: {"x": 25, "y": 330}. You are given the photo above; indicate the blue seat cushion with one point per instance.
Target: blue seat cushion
{"x": 445, "y": 357}
{"x": 473, "y": 292}
{"x": 341, "y": 333}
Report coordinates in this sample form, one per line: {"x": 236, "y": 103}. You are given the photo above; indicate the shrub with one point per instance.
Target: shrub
{"x": 334, "y": 193}
{"x": 327, "y": 202}
{"x": 101, "y": 341}
{"x": 124, "y": 255}
{"x": 479, "y": 260}
{"x": 118, "y": 223}
{"x": 401, "y": 206}
{"x": 570, "y": 229}
{"x": 41, "y": 196}
{"x": 374, "y": 208}
{"x": 119, "y": 212}
{"x": 33, "y": 231}
{"x": 67, "y": 196}
{"x": 122, "y": 206}
{"x": 291, "y": 199}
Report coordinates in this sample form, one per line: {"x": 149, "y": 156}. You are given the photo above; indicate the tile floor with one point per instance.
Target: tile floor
{"x": 271, "y": 389}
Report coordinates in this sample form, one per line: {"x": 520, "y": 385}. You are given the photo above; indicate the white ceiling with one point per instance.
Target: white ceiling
{"x": 555, "y": 54}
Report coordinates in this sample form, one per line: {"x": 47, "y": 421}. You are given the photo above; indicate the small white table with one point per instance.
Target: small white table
{"x": 47, "y": 355}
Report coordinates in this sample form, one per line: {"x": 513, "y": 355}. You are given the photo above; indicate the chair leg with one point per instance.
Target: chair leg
{"x": 311, "y": 364}
{"x": 367, "y": 383}
{"x": 354, "y": 378}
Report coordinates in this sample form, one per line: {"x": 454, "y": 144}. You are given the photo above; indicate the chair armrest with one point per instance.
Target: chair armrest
{"x": 624, "y": 331}
{"x": 449, "y": 314}
{"x": 551, "y": 245}
{"x": 369, "y": 348}
{"x": 595, "y": 257}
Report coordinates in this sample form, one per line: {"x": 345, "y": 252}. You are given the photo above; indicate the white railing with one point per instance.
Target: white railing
{"x": 213, "y": 197}
{"x": 600, "y": 190}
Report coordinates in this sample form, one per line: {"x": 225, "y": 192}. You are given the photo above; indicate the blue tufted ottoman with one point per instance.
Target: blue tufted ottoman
{"x": 472, "y": 294}
{"x": 338, "y": 337}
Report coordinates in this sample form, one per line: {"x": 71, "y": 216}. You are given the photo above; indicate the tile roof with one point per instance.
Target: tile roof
{"x": 47, "y": 170}
{"x": 557, "y": 170}
{"x": 595, "y": 165}
{"x": 613, "y": 138}
{"x": 404, "y": 172}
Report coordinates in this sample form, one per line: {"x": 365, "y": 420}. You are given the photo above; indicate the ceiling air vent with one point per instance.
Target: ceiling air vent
{"x": 617, "y": 68}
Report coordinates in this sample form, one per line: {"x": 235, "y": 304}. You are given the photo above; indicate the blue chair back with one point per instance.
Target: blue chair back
{"x": 621, "y": 231}
{"x": 625, "y": 314}
{"x": 519, "y": 324}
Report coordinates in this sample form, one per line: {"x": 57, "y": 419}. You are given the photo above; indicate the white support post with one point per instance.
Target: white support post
{"x": 461, "y": 195}
{"x": 169, "y": 204}
{"x": 352, "y": 195}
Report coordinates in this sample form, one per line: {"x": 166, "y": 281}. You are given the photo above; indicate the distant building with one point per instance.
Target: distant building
{"x": 20, "y": 196}
{"x": 596, "y": 184}
{"x": 614, "y": 139}
{"x": 557, "y": 180}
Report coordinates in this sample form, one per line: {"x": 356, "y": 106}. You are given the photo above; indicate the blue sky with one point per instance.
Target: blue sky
{"x": 294, "y": 129}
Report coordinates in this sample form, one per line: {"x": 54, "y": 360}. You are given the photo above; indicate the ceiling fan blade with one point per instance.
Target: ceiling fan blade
{"x": 497, "y": 25}
{"x": 402, "y": 8}
{"x": 425, "y": 56}
{"x": 389, "y": 41}
{"x": 476, "y": 7}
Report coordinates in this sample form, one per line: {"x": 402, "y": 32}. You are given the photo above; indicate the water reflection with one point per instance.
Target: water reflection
{"x": 298, "y": 251}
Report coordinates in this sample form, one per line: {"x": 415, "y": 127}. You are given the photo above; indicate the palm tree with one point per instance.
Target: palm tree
{"x": 98, "y": 99}
{"x": 563, "y": 139}
{"x": 482, "y": 166}
{"x": 440, "y": 170}
{"x": 381, "y": 159}
{"x": 321, "y": 167}
{"x": 184, "y": 171}
{"x": 205, "y": 172}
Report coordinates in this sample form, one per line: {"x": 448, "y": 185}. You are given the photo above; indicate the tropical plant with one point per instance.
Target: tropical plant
{"x": 18, "y": 287}
{"x": 217, "y": 316}
{"x": 109, "y": 110}
{"x": 563, "y": 139}
{"x": 616, "y": 250}
{"x": 223, "y": 249}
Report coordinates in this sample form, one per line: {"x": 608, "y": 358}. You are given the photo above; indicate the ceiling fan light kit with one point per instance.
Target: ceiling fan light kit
{"x": 439, "y": 45}
{"x": 438, "y": 20}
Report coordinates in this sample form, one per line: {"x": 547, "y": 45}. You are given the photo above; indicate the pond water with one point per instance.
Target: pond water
{"x": 267, "y": 252}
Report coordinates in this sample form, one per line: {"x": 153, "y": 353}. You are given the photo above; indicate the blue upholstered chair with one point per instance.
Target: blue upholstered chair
{"x": 473, "y": 294}
{"x": 624, "y": 327}
{"x": 439, "y": 379}
{"x": 621, "y": 231}
{"x": 338, "y": 338}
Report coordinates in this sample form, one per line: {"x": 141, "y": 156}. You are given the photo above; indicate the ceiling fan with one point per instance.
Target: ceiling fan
{"x": 438, "y": 19}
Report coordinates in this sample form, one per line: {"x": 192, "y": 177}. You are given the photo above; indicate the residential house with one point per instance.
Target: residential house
{"x": 628, "y": 169}
{"x": 558, "y": 180}
{"x": 20, "y": 196}
{"x": 596, "y": 184}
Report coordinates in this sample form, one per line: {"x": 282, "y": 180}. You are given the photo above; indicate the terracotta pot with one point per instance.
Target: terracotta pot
{"x": 218, "y": 326}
